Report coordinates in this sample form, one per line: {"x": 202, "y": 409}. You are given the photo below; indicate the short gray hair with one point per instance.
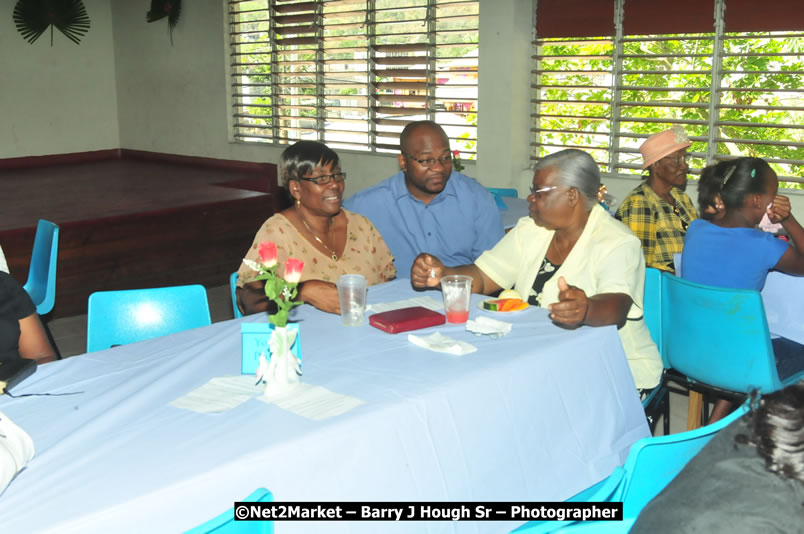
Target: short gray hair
{"x": 575, "y": 168}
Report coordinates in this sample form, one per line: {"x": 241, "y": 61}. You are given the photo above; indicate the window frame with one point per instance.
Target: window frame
{"x": 424, "y": 79}
{"x": 618, "y": 154}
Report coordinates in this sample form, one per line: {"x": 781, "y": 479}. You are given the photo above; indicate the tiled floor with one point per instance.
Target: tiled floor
{"x": 70, "y": 336}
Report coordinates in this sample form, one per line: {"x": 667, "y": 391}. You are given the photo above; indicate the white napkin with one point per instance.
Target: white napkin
{"x": 441, "y": 343}
{"x": 486, "y": 325}
{"x": 16, "y": 450}
{"x": 426, "y": 302}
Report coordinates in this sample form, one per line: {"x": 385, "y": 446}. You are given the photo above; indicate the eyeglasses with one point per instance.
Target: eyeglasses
{"x": 538, "y": 192}
{"x": 429, "y": 162}
{"x": 678, "y": 160}
{"x": 324, "y": 179}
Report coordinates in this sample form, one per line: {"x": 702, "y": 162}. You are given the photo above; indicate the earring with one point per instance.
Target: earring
{"x": 298, "y": 202}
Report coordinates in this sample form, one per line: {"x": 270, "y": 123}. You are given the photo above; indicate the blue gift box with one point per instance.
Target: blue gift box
{"x": 255, "y": 338}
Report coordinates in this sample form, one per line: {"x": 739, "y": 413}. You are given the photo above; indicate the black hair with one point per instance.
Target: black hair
{"x": 708, "y": 189}
{"x": 302, "y": 157}
{"x": 734, "y": 179}
{"x": 778, "y": 430}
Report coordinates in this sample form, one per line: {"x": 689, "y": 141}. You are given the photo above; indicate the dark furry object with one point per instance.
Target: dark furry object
{"x": 33, "y": 17}
{"x": 165, "y": 8}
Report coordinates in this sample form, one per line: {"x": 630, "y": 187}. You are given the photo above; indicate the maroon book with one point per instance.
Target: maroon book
{"x": 406, "y": 319}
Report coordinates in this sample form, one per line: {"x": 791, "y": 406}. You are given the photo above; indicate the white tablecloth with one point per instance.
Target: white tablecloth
{"x": 517, "y": 208}
{"x": 537, "y": 415}
{"x": 783, "y": 298}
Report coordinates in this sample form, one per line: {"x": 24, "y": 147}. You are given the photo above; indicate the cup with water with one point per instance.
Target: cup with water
{"x": 352, "y": 297}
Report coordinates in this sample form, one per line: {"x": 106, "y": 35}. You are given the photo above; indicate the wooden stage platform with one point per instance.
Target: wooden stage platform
{"x": 134, "y": 219}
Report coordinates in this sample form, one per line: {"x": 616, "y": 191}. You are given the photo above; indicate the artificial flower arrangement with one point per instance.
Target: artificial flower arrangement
{"x": 456, "y": 160}
{"x": 280, "y": 290}
{"x": 283, "y": 370}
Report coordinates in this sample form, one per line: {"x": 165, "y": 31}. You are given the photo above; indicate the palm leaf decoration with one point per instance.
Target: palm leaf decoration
{"x": 165, "y": 8}
{"x": 33, "y": 17}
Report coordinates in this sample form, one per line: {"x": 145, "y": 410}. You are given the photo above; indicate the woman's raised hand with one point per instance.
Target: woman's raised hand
{"x": 426, "y": 271}
{"x": 572, "y": 305}
{"x": 779, "y": 210}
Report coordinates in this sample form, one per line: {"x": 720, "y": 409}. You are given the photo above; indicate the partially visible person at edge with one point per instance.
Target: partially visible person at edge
{"x": 428, "y": 206}
{"x": 658, "y": 211}
{"x": 731, "y": 252}
{"x": 21, "y": 332}
{"x": 331, "y": 241}
{"x": 571, "y": 257}
{"x": 748, "y": 479}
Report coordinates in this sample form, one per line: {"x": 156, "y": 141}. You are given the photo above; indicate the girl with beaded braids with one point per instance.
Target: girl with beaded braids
{"x": 729, "y": 251}
{"x": 748, "y": 479}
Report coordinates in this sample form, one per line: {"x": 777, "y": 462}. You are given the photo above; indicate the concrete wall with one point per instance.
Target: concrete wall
{"x": 58, "y": 99}
{"x": 126, "y": 86}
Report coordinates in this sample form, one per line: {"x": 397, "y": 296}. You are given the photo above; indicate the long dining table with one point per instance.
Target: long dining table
{"x": 536, "y": 415}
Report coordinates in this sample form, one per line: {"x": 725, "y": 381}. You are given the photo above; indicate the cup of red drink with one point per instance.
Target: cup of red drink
{"x": 457, "y": 292}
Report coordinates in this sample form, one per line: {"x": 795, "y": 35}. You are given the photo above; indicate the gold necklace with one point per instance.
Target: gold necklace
{"x": 304, "y": 222}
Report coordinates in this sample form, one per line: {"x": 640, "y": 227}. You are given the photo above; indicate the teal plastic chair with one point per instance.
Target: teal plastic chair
{"x": 226, "y": 524}
{"x": 718, "y": 338}
{"x": 499, "y": 192}
{"x": 651, "y": 465}
{"x": 503, "y": 191}
{"x": 233, "y": 289}
{"x": 656, "y": 403}
{"x": 128, "y": 316}
{"x": 41, "y": 283}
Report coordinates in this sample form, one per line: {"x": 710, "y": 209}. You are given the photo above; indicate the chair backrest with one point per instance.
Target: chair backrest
{"x": 717, "y": 336}
{"x": 503, "y": 192}
{"x": 226, "y": 524}
{"x": 233, "y": 289}
{"x": 127, "y": 316}
{"x": 654, "y": 462}
{"x": 652, "y": 306}
{"x": 498, "y": 193}
{"x": 41, "y": 283}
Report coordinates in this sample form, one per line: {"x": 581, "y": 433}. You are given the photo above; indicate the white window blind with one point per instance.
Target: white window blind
{"x": 736, "y": 94}
{"x": 353, "y": 73}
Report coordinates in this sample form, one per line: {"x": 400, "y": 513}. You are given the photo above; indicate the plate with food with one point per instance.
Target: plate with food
{"x": 509, "y": 301}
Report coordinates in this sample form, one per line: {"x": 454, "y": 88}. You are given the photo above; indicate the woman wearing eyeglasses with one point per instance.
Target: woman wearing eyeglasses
{"x": 571, "y": 257}
{"x": 331, "y": 241}
{"x": 658, "y": 211}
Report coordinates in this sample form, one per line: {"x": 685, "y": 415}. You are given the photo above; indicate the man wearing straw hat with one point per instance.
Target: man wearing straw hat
{"x": 658, "y": 210}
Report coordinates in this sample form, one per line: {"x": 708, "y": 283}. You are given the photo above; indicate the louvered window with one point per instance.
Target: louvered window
{"x": 353, "y": 73}
{"x": 606, "y": 83}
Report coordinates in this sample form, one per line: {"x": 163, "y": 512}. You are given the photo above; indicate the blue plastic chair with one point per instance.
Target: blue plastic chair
{"x": 41, "y": 283}
{"x": 651, "y": 465}
{"x": 499, "y": 192}
{"x": 503, "y": 191}
{"x": 652, "y": 306}
{"x": 128, "y": 316}
{"x": 656, "y": 403}
{"x": 718, "y": 338}
{"x": 225, "y": 523}
{"x": 233, "y": 289}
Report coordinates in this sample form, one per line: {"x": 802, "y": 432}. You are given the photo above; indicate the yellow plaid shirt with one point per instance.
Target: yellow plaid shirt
{"x": 658, "y": 225}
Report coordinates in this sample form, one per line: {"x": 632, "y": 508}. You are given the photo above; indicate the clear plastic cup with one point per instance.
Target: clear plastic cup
{"x": 352, "y": 297}
{"x": 457, "y": 292}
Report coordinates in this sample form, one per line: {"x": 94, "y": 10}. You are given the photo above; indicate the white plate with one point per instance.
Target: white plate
{"x": 480, "y": 305}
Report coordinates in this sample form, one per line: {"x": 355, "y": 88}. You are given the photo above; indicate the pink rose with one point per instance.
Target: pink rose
{"x": 293, "y": 270}
{"x": 267, "y": 252}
